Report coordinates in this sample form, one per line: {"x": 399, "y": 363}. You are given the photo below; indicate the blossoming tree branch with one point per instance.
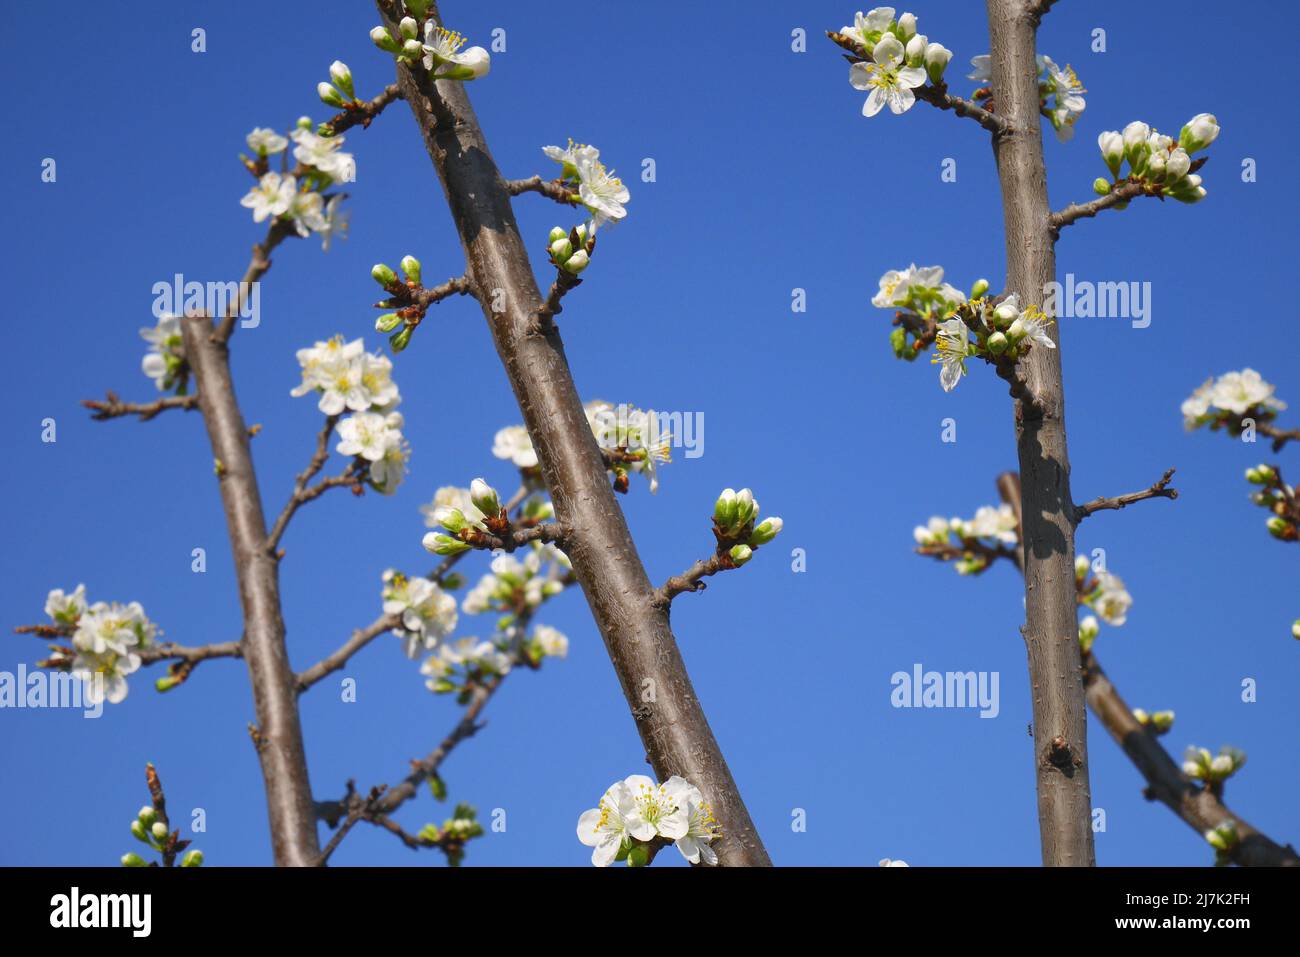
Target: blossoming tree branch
{"x": 562, "y": 527}
{"x": 1015, "y": 88}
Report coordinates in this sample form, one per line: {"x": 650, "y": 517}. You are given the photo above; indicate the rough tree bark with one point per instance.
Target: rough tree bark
{"x": 637, "y": 635}
{"x": 278, "y": 734}
{"x": 1051, "y": 629}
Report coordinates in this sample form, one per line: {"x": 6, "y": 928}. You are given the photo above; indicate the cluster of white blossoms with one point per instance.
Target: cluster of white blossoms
{"x": 348, "y": 378}
{"x": 737, "y": 528}
{"x": 977, "y": 538}
{"x": 635, "y": 812}
{"x": 467, "y": 661}
{"x": 598, "y": 189}
{"x": 513, "y": 586}
{"x": 165, "y": 360}
{"x": 441, "y": 53}
{"x": 428, "y": 614}
{"x": 1229, "y": 398}
{"x": 998, "y": 332}
{"x": 106, "y": 639}
{"x": 1060, "y": 93}
{"x": 896, "y": 61}
{"x": 1103, "y": 592}
{"x": 1200, "y": 765}
{"x": 1162, "y": 164}
{"x": 300, "y": 197}
{"x": 630, "y": 436}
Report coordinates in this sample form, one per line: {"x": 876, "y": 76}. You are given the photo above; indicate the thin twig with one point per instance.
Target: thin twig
{"x": 691, "y": 579}
{"x": 363, "y": 111}
{"x": 260, "y": 262}
{"x": 1159, "y": 490}
{"x": 937, "y": 95}
{"x": 552, "y": 189}
{"x": 111, "y": 407}
{"x": 301, "y": 493}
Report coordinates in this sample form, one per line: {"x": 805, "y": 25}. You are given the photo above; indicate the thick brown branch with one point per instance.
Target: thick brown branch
{"x": 552, "y": 189}
{"x": 673, "y": 727}
{"x": 111, "y": 407}
{"x": 279, "y": 732}
{"x": 1159, "y": 490}
{"x": 362, "y": 112}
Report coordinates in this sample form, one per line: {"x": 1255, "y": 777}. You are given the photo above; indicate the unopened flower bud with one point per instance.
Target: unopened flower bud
{"x": 997, "y": 343}
{"x": 383, "y": 274}
{"x": 132, "y": 859}
{"x": 1111, "y": 144}
{"x": 936, "y": 61}
{"x": 166, "y": 683}
{"x": 328, "y": 95}
{"x": 1177, "y": 165}
{"x": 765, "y": 531}
{"x": 557, "y": 232}
{"x": 411, "y": 269}
{"x": 1101, "y": 186}
{"x": 400, "y": 339}
{"x": 413, "y": 49}
{"x": 474, "y": 63}
{"x": 914, "y": 52}
{"x": 1005, "y": 314}
{"x": 140, "y": 832}
{"x": 1162, "y": 721}
{"x": 577, "y": 262}
{"x": 1221, "y": 766}
{"x": 1135, "y": 135}
{"x": 1295, "y": 629}
{"x": 418, "y": 7}
{"x": 1141, "y": 717}
{"x": 1081, "y": 567}
{"x": 1218, "y": 839}
{"x": 907, "y": 25}
{"x": 1088, "y": 631}
{"x": 1155, "y": 167}
{"x": 1277, "y": 527}
{"x": 387, "y": 322}
{"x": 724, "y": 510}
{"x": 561, "y": 249}
{"x": 484, "y": 497}
{"x": 159, "y": 830}
{"x": 192, "y": 858}
{"x": 744, "y": 507}
{"x": 409, "y": 28}
{"x": 740, "y": 554}
{"x": 450, "y": 518}
{"x": 443, "y": 544}
{"x": 1261, "y": 474}
{"x": 147, "y": 815}
{"x": 979, "y": 289}
{"x": 381, "y": 38}
{"x": 305, "y": 123}
{"x": 341, "y": 77}
{"x": 1201, "y": 130}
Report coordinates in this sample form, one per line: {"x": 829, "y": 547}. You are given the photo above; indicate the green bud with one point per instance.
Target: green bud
{"x": 341, "y": 77}
{"x": 444, "y": 544}
{"x": 159, "y": 830}
{"x": 484, "y": 497}
{"x": 382, "y": 274}
{"x": 192, "y": 858}
{"x": 979, "y": 289}
{"x": 387, "y": 322}
{"x": 1162, "y": 721}
{"x": 438, "y": 787}
{"x": 139, "y": 832}
{"x": 132, "y": 859}
{"x": 1101, "y": 186}
{"x": 304, "y": 123}
{"x": 400, "y": 339}
{"x": 997, "y": 343}
{"x": 561, "y": 249}
{"x": 329, "y": 96}
{"x": 1261, "y": 474}
{"x": 147, "y": 815}
{"x": 384, "y": 40}
{"x": 638, "y": 855}
{"x": 166, "y": 683}
{"x": 740, "y": 554}
{"x": 724, "y": 509}
{"x": 765, "y": 531}
{"x": 1295, "y": 629}
{"x": 412, "y": 49}
{"x": 746, "y": 507}
{"x": 1277, "y": 526}
{"x": 559, "y": 232}
{"x": 409, "y": 28}
{"x": 577, "y": 262}
{"x": 411, "y": 269}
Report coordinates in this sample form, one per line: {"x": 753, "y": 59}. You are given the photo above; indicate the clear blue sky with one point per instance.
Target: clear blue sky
{"x": 769, "y": 179}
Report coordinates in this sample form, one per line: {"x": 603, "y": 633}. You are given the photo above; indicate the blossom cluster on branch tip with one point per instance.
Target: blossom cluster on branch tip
{"x": 895, "y": 59}
{"x": 339, "y": 91}
{"x": 462, "y": 826}
{"x": 1200, "y": 765}
{"x": 602, "y": 193}
{"x": 150, "y": 829}
{"x": 1227, "y": 400}
{"x": 1161, "y": 165}
{"x": 441, "y": 52}
{"x": 1060, "y": 94}
{"x": 998, "y": 332}
{"x": 428, "y": 614}
{"x": 165, "y": 360}
{"x": 348, "y": 378}
{"x": 571, "y": 251}
{"x": 920, "y": 299}
{"x": 971, "y": 544}
{"x": 629, "y": 438}
{"x": 636, "y": 815}
{"x": 106, "y": 640}
{"x": 1278, "y": 498}
{"x": 1159, "y": 722}
{"x": 300, "y": 196}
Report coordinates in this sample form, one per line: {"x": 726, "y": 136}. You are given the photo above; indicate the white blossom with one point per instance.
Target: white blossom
{"x": 272, "y": 196}
{"x": 428, "y": 614}
{"x": 952, "y": 345}
{"x": 887, "y": 79}
{"x": 265, "y": 142}
{"x": 166, "y": 351}
{"x": 323, "y": 153}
